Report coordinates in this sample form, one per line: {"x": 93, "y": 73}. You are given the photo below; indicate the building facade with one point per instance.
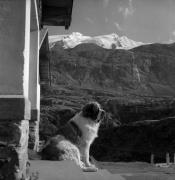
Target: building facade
{"x": 24, "y": 64}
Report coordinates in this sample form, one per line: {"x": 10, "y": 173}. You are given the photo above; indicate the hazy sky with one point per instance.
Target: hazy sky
{"x": 140, "y": 20}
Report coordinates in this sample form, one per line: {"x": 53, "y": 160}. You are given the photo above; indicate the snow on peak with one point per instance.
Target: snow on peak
{"x": 106, "y": 41}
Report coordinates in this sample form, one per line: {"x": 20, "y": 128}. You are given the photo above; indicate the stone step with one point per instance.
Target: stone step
{"x": 55, "y": 170}
{"x": 103, "y": 174}
{"x": 66, "y": 170}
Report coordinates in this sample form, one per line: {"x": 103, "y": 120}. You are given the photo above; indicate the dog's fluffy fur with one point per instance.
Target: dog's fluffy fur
{"x": 75, "y": 138}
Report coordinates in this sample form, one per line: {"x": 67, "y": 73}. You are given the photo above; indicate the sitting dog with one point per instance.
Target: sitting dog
{"x": 75, "y": 138}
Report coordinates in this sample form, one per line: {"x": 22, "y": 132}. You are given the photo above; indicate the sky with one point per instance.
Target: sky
{"x": 140, "y": 20}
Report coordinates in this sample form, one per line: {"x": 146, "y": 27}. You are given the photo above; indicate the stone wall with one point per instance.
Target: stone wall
{"x": 14, "y": 133}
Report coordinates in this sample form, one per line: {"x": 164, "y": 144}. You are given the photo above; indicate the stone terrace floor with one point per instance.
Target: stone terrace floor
{"x": 66, "y": 170}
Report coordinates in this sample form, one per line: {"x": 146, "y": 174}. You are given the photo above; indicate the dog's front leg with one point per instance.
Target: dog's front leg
{"x": 85, "y": 159}
{"x": 84, "y": 151}
{"x": 85, "y": 155}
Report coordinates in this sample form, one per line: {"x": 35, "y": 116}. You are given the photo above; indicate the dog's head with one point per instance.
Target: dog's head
{"x": 93, "y": 111}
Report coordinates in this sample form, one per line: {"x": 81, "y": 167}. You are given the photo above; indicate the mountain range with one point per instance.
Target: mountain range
{"x": 148, "y": 69}
{"x": 110, "y": 41}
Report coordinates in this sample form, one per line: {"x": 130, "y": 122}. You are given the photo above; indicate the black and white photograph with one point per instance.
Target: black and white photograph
{"x": 87, "y": 89}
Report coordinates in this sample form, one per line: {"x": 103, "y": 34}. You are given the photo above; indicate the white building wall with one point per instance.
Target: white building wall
{"x": 14, "y": 47}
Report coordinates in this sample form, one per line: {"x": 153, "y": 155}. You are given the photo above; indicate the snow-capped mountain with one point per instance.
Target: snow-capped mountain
{"x": 111, "y": 41}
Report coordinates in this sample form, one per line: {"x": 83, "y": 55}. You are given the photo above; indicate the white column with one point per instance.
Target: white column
{"x": 34, "y": 90}
{"x": 34, "y": 86}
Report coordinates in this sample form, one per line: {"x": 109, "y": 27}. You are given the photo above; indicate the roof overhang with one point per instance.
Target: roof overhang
{"x": 57, "y": 12}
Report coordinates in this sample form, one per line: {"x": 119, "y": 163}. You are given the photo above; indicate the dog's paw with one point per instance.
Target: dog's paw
{"x": 90, "y": 169}
{"x": 92, "y": 166}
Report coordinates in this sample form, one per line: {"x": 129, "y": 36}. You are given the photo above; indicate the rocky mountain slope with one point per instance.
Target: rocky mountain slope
{"x": 132, "y": 85}
{"x": 145, "y": 70}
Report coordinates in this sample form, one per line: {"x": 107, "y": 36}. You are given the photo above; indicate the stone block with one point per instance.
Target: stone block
{"x": 13, "y": 149}
{"x": 14, "y": 133}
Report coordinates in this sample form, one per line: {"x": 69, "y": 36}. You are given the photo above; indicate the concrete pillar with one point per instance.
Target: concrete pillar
{"x": 34, "y": 90}
{"x": 167, "y": 158}
{"x": 152, "y": 158}
{"x": 14, "y": 87}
